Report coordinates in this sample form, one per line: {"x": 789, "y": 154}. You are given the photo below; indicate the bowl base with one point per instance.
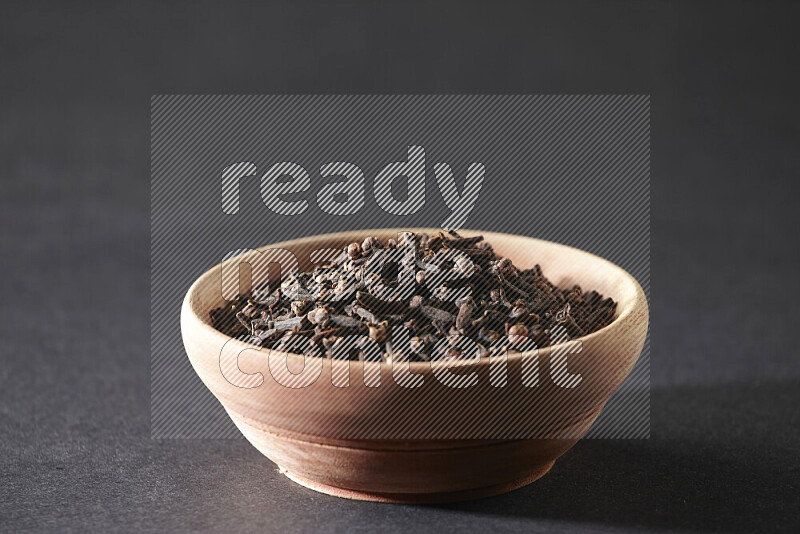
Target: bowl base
{"x": 419, "y": 498}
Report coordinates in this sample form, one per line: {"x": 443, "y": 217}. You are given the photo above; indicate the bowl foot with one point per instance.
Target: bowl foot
{"x": 412, "y": 498}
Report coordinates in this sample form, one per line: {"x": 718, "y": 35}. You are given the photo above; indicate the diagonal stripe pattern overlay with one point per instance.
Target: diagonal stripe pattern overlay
{"x": 574, "y": 169}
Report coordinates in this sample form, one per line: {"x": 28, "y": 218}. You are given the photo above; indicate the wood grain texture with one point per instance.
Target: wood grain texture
{"x": 321, "y": 434}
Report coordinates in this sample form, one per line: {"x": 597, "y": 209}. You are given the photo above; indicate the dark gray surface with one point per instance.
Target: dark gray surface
{"x": 74, "y": 421}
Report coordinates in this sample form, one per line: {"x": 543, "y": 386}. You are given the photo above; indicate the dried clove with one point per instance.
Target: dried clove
{"x": 466, "y": 305}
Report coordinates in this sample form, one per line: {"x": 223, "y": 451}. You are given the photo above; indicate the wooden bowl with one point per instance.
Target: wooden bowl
{"x": 432, "y": 443}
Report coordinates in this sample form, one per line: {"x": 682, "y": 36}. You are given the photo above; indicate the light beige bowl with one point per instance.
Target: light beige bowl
{"x": 363, "y": 442}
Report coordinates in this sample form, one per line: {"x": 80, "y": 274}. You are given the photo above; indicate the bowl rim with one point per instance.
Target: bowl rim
{"x": 636, "y": 304}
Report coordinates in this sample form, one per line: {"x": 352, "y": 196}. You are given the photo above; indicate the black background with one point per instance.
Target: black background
{"x": 76, "y": 84}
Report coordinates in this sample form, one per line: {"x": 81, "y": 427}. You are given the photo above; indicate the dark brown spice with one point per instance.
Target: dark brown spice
{"x": 459, "y": 288}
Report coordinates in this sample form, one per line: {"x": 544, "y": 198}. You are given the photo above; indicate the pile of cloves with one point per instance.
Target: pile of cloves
{"x": 418, "y": 297}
